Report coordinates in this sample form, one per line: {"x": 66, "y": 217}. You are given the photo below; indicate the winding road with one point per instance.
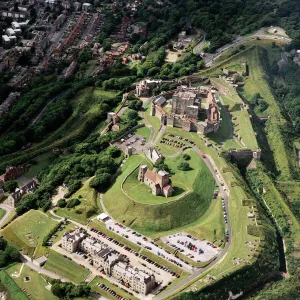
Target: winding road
{"x": 260, "y": 34}
{"x": 8, "y": 210}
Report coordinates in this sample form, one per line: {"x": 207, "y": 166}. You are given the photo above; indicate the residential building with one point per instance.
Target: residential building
{"x": 159, "y": 182}
{"x": 109, "y": 261}
{"x": 17, "y": 195}
{"x": 13, "y": 173}
{"x": 70, "y": 241}
{"x": 145, "y": 87}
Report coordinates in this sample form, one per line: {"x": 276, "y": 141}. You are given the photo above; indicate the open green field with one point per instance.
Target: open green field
{"x": 27, "y": 232}
{"x": 242, "y": 126}
{"x": 152, "y": 120}
{"x": 88, "y": 207}
{"x": 118, "y": 290}
{"x": 35, "y": 287}
{"x": 154, "y": 218}
{"x": 182, "y": 181}
{"x": 143, "y": 131}
{"x": 2, "y": 213}
{"x": 11, "y": 289}
{"x": 65, "y": 268}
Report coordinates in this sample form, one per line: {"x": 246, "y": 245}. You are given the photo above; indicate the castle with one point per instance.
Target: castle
{"x": 159, "y": 182}
{"x": 187, "y": 106}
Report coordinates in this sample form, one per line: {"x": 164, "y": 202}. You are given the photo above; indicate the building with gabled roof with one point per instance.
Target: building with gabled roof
{"x": 159, "y": 182}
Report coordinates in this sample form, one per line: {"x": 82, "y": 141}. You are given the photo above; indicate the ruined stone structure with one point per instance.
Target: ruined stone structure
{"x": 159, "y": 182}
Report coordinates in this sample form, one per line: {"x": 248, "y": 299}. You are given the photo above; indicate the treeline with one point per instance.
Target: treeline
{"x": 68, "y": 290}
{"x": 8, "y": 253}
{"x": 288, "y": 92}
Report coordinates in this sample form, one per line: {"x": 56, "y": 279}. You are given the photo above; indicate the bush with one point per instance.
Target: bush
{"x": 186, "y": 157}
{"x": 62, "y": 203}
{"x": 10, "y": 186}
{"x": 73, "y": 202}
{"x": 184, "y": 166}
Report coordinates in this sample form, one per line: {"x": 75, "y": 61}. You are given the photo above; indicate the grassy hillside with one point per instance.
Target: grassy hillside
{"x": 163, "y": 216}
{"x": 27, "y": 232}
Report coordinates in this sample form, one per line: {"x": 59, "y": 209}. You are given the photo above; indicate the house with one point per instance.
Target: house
{"x": 145, "y": 87}
{"x": 13, "y": 173}
{"x": 5, "y": 39}
{"x": 108, "y": 261}
{"x": 159, "y": 182}
{"x": 17, "y": 195}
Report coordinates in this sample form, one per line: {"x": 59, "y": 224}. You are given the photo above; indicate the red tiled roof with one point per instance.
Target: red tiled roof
{"x": 150, "y": 175}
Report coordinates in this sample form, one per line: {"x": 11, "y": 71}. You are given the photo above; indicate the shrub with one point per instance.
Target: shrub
{"x": 186, "y": 157}
{"x": 10, "y": 186}
{"x": 73, "y": 202}
{"x": 62, "y": 203}
{"x": 184, "y": 166}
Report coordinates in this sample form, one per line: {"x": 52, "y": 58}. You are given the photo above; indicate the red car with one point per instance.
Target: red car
{"x": 203, "y": 156}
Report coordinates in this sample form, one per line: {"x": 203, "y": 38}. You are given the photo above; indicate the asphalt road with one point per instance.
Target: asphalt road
{"x": 239, "y": 40}
{"x": 8, "y": 210}
{"x": 199, "y": 271}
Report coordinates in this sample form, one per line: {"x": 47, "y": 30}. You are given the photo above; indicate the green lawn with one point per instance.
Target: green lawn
{"x": 88, "y": 207}
{"x": 2, "y": 213}
{"x": 28, "y": 231}
{"x": 152, "y": 120}
{"x": 11, "y": 289}
{"x": 66, "y": 268}
{"x": 242, "y": 126}
{"x": 118, "y": 290}
{"x": 166, "y": 216}
{"x": 143, "y": 131}
{"x": 182, "y": 181}
{"x": 41, "y": 163}
{"x": 35, "y": 287}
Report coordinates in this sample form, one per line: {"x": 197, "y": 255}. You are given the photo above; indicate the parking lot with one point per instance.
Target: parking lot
{"x": 146, "y": 243}
{"x": 197, "y": 250}
{"x": 162, "y": 275}
{"x": 137, "y": 142}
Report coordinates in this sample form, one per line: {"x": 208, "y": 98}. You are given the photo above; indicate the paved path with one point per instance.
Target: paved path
{"x": 8, "y": 210}
{"x": 40, "y": 270}
{"x": 197, "y": 49}
{"x": 260, "y": 34}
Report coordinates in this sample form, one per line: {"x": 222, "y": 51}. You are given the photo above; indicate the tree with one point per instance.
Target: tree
{"x": 184, "y": 166}
{"x": 57, "y": 290}
{"x": 3, "y": 244}
{"x": 186, "y": 157}
{"x": 10, "y": 186}
{"x": 132, "y": 115}
{"x": 73, "y": 202}
{"x": 62, "y": 202}
{"x": 135, "y": 104}
{"x": 100, "y": 182}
